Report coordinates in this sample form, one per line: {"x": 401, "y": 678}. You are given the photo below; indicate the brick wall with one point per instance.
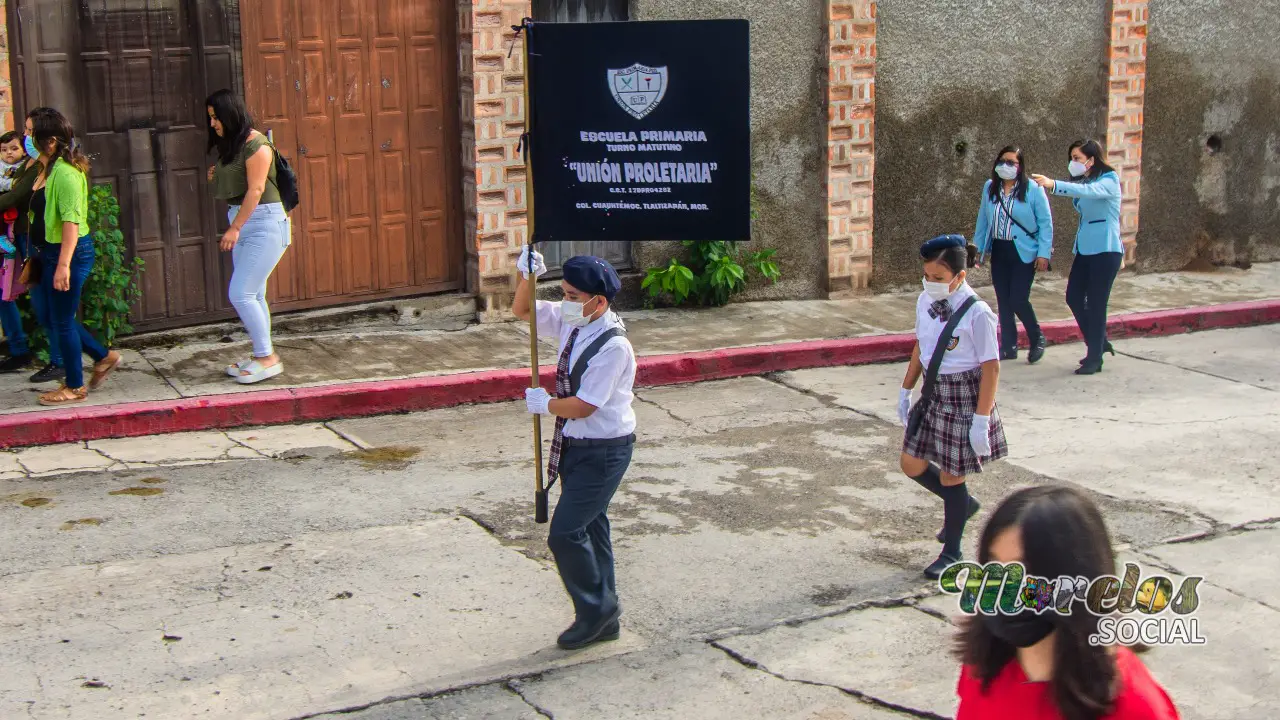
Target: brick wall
{"x": 1125, "y": 93}
{"x": 6, "y": 84}
{"x": 492, "y": 99}
{"x": 851, "y": 80}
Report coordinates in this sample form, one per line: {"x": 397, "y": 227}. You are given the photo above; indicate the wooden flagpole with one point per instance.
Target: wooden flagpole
{"x": 539, "y": 492}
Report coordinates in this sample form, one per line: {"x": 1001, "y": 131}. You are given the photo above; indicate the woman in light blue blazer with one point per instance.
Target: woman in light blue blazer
{"x": 1095, "y": 192}
{"x": 1016, "y": 229}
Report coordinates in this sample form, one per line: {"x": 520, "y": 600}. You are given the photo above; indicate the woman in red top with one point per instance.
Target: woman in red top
{"x": 1042, "y": 667}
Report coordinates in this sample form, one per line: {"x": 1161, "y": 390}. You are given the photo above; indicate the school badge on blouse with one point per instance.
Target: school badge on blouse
{"x": 955, "y": 342}
{"x": 638, "y": 89}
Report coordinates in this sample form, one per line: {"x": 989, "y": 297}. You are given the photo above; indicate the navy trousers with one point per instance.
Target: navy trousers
{"x": 1088, "y": 291}
{"x": 579, "y": 536}
{"x": 1013, "y": 279}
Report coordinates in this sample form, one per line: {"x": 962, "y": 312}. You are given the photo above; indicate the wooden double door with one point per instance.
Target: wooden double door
{"x": 361, "y": 96}
{"x": 132, "y": 76}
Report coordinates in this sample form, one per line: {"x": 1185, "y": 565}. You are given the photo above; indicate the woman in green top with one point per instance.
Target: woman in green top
{"x": 59, "y": 218}
{"x": 245, "y": 178}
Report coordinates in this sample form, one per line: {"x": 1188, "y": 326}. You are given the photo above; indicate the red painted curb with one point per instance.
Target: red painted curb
{"x": 381, "y": 397}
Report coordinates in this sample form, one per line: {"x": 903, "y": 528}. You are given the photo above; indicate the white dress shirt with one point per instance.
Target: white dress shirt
{"x": 974, "y": 341}
{"x": 607, "y": 382}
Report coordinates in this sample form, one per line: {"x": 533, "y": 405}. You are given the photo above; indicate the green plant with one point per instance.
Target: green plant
{"x": 112, "y": 287}
{"x": 712, "y": 273}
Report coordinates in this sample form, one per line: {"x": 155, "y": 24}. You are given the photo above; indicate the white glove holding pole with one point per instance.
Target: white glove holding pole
{"x": 904, "y": 405}
{"x": 539, "y": 267}
{"x": 537, "y": 400}
{"x": 978, "y": 437}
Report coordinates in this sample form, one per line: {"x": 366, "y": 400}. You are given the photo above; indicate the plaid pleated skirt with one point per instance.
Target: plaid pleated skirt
{"x": 943, "y": 436}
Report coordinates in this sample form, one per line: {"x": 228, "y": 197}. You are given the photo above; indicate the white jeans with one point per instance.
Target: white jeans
{"x": 263, "y": 240}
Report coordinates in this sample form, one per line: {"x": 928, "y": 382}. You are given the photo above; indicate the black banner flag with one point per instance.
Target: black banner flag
{"x": 640, "y": 130}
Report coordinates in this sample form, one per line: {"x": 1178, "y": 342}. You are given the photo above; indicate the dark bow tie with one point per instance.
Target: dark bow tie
{"x": 941, "y": 310}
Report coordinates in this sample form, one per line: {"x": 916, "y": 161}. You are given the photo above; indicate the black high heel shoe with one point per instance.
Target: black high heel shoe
{"x": 1090, "y": 367}
{"x": 1105, "y": 349}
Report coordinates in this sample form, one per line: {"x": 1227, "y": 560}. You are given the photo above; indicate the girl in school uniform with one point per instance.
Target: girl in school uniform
{"x": 1095, "y": 193}
{"x": 959, "y": 429}
{"x": 1033, "y": 666}
{"x": 1016, "y": 228}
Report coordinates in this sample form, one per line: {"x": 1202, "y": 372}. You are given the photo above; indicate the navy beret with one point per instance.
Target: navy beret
{"x": 592, "y": 275}
{"x": 942, "y": 242}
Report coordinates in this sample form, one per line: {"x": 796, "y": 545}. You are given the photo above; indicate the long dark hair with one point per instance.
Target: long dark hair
{"x": 1063, "y": 534}
{"x": 49, "y": 124}
{"x": 236, "y": 125}
{"x": 1092, "y": 149}
{"x": 997, "y": 182}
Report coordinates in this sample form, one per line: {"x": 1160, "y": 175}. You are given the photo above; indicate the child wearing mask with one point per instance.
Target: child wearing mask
{"x": 954, "y": 428}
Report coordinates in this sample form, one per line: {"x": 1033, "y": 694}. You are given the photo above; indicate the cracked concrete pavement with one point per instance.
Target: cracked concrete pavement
{"x": 769, "y": 552}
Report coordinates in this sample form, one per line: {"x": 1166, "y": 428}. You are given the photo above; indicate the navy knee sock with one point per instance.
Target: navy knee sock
{"x": 955, "y": 506}
{"x": 930, "y": 479}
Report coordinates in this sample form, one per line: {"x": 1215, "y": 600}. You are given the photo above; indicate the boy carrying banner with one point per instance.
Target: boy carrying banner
{"x": 594, "y": 434}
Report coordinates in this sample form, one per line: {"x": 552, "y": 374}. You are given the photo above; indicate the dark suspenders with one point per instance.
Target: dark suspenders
{"x": 580, "y": 367}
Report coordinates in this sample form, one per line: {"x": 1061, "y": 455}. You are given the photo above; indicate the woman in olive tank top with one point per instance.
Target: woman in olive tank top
{"x": 245, "y": 178}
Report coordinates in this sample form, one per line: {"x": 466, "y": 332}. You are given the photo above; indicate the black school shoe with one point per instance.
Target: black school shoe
{"x": 974, "y": 507}
{"x": 49, "y": 373}
{"x": 14, "y": 363}
{"x": 1009, "y": 354}
{"x": 935, "y": 569}
{"x": 1036, "y": 352}
{"x": 580, "y": 634}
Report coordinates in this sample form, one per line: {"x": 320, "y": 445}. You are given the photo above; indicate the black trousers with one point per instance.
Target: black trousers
{"x": 1013, "y": 280}
{"x": 580, "y": 538}
{"x": 1088, "y": 291}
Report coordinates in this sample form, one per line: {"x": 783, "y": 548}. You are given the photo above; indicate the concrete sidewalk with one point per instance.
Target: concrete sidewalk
{"x": 334, "y": 373}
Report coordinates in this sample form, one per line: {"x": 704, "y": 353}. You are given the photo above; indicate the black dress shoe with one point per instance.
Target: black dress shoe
{"x": 1089, "y": 367}
{"x": 1037, "y": 350}
{"x": 14, "y": 363}
{"x": 974, "y": 507}
{"x": 944, "y": 561}
{"x": 581, "y": 634}
{"x": 49, "y": 373}
{"x": 1009, "y": 354}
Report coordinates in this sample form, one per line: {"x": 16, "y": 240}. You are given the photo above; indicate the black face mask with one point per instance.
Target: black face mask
{"x": 1022, "y": 630}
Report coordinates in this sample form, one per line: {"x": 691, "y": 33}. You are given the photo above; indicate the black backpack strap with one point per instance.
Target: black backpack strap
{"x": 935, "y": 362}
{"x": 580, "y": 367}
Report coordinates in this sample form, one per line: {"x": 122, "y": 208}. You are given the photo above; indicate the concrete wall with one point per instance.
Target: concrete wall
{"x": 789, "y": 135}
{"x": 1213, "y": 70}
{"x": 956, "y": 80}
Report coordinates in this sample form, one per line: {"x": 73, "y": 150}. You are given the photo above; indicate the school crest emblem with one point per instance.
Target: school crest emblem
{"x": 955, "y": 342}
{"x": 638, "y": 89}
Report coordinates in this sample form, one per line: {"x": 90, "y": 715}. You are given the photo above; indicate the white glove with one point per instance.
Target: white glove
{"x": 539, "y": 267}
{"x": 978, "y": 435}
{"x": 537, "y": 400}
{"x": 904, "y": 405}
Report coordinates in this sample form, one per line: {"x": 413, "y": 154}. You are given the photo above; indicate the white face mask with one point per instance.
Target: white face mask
{"x": 571, "y": 313}
{"x": 1007, "y": 172}
{"x": 1077, "y": 168}
{"x": 937, "y": 291}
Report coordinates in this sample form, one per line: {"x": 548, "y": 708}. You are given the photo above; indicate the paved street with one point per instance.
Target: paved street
{"x": 769, "y": 552}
